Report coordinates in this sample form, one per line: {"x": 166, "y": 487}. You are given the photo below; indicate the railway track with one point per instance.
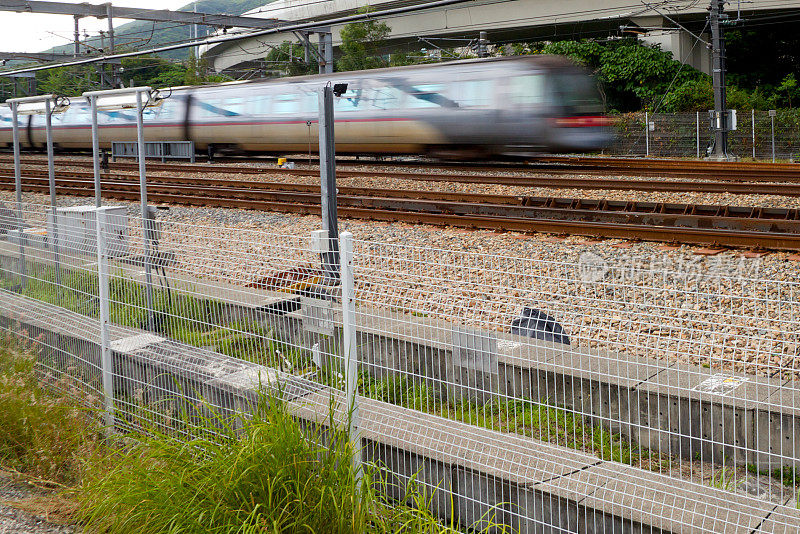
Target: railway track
{"x": 766, "y": 228}
{"x": 660, "y": 185}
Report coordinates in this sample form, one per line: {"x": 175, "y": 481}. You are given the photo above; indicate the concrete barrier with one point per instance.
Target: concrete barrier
{"x": 531, "y": 485}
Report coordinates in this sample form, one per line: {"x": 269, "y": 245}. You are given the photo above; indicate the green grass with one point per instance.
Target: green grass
{"x": 787, "y": 475}
{"x": 520, "y": 416}
{"x": 184, "y": 318}
{"x": 262, "y": 474}
{"x": 43, "y": 436}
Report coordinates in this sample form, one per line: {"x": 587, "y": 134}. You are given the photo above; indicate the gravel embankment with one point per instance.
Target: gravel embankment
{"x": 725, "y": 311}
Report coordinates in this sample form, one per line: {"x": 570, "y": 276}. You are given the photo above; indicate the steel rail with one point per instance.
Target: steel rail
{"x": 607, "y": 184}
{"x": 714, "y": 225}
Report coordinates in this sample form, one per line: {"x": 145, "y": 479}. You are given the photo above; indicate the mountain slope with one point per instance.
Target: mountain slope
{"x": 144, "y": 34}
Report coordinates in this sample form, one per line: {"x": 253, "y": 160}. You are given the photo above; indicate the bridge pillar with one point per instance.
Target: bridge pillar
{"x": 684, "y": 47}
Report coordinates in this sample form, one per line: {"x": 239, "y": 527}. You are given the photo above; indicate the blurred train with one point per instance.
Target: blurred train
{"x": 472, "y": 109}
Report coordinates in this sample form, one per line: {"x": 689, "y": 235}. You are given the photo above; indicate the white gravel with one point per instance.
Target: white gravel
{"x": 725, "y": 311}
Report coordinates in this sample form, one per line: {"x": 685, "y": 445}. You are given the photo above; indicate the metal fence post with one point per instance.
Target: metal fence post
{"x": 350, "y": 350}
{"x": 772, "y": 114}
{"x": 697, "y": 125}
{"x": 51, "y": 176}
{"x": 106, "y": 362}
{"x": 646, "y": 134}
{"x": 18, "y": 190}
{"x": 145, "y": 212}
{"x": 753, "y": 130}
{"x": 95, "y": 153}
{"x": 327, "y": 172}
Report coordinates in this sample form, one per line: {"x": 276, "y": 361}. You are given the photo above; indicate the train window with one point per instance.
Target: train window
{"x": 286, "y": 104}
{"x": 386, "y": 97}
{"x": 349, "y": 101}
{"x": 578, "y": 93}
{"x": 309, "y": 103}
{"x": 429, "y": 96}
{"x": 474, "y": 93}
{"x": 527, "y": 90}
{"x": 234, "y": 105}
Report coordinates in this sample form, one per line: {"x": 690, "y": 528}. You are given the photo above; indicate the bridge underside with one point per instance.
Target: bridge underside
{"x": 509, "y": 21}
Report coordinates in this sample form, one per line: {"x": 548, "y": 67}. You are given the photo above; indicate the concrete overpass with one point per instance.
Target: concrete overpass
{"x": 507, "y": 20}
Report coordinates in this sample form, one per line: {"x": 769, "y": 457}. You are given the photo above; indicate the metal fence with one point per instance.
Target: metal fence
{"x": 555, "y": 396}
{"x": 759, "y": 135}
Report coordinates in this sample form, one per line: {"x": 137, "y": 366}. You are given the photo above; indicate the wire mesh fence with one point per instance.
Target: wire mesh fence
{"x": 583, "y": 396}
{"x": 759, "y": 135}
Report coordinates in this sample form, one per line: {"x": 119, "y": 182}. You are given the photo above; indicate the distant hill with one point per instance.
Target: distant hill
{"x": 143, "y": 34}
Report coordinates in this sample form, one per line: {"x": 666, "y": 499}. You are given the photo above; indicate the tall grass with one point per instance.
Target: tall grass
{"x": 43, "y": 435}
{"x": 261, "y": 474}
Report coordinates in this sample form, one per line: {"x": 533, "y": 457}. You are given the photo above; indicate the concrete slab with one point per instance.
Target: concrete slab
{"x": 632, "y": 497}
{"x": 777, "y": 429}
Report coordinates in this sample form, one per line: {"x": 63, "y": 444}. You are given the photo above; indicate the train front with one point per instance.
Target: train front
{"x": 578, "y": 122}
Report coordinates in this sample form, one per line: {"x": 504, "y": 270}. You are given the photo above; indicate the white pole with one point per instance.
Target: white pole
{"x": 753, "y": 130}
{"x": 145, "y": 212}
{"x": 697, "y": 124}
{"x": 646, "y": 134}
{"x": 18, "y": 190}
{"x": 95, "y": 153}
{"x": 350, "y": 349}
{"x": 772, "y": 121}
{"x": 51, "y": 175}
{"x": 106, "y": 362}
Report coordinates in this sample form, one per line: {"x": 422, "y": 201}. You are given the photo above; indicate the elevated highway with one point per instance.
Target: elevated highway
{"x": 671, "y": 24}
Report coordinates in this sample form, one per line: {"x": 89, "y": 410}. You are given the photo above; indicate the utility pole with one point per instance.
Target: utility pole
{"x": 720, "y": 120}
{"x": 77, "y": 41}
{"x": 482, "y": 41}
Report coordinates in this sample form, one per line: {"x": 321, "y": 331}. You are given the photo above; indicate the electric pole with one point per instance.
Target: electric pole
{"x": 720, "y": 121}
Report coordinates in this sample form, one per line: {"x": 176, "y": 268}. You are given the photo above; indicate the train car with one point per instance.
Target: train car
{"x": 472, "y": 108}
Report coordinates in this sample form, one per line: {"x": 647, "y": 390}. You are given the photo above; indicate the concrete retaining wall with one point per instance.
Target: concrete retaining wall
{"x": 531, "y": 485}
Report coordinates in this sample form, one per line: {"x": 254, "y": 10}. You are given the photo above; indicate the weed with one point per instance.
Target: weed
{"x": 265, "y": 473}
{"x": 42, "y": 434}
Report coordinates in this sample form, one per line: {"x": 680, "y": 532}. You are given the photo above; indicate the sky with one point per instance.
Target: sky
{"x": 29, "y": 32}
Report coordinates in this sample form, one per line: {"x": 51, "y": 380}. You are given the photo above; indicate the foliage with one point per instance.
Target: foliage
{"x": 632, "y": 74}
{"x": 290, "y": 58}
{"x": 41, "y": 434}
{"x": 259, "y": 474}
{"x": 760, "y": 57}
{"x": 362, "y": 44}
{"x": 789, "y": 89}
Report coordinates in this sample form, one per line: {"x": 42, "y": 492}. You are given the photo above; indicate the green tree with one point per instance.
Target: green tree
{"x": 789, "y": 88}
{"x": 289, "y": 58}
{"x": 362, "y": 44}
{"x": 633, "y": 75}
{"x": 67, "y": 81}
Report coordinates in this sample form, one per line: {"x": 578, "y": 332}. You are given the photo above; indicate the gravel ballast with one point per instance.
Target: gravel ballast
{"x": 724, "y": 311}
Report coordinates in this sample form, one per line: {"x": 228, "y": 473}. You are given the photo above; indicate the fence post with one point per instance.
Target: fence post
{"x": 772, "y": 114}
{"x": 697, "y": 125}
{"x": 753, "y": 129}
{"x": 106, "y": 362}
{"x": 646, "y": 134}
{"x": 18, "y": 191}
{"x": 350, "y": 350}
{"x": 51, "y": 178}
